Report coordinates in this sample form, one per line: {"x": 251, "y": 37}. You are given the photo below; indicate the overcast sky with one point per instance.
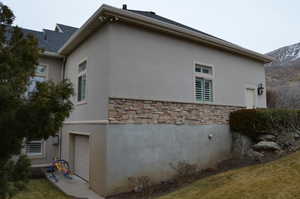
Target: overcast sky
{"x": 260, "y": 25}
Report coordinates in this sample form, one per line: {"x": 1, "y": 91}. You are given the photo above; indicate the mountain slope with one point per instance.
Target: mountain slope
{"x": 286, "y": 56}
{"x": 284, "y": 73}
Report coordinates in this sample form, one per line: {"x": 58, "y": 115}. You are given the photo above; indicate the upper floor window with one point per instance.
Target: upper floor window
{"x": 40, "y": 76}
{"x": 203, "y": 82}
{"x": 81, "y": 88}
{"x": 199, "y": 68}
{"x": 41, "y": 70}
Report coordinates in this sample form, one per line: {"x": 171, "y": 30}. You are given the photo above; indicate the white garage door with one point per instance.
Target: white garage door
{"x": 81, "y": 156}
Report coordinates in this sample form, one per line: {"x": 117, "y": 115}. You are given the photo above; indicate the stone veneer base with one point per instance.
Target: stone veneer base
{"x": 135, "y": 111}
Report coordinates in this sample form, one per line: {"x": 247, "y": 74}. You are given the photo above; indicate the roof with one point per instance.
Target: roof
{"x": 166, "y": 20}
{"x": 52, "y": 40}
{"x": 107, "y": 13}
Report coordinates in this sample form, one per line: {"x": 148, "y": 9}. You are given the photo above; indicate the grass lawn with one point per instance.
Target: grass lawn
{"x": 41, "y": 189}
{"x": 275, "y": 180}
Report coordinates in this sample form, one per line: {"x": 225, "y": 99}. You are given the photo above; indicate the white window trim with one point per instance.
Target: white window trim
{"x": 77, "y": 85}
{"x": 37, "y": 155}
{"x": 204, "y": 76}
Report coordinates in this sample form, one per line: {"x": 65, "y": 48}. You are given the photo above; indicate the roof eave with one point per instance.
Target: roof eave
{"x": 158, "y": 25}
{"x": 52, "y": 54}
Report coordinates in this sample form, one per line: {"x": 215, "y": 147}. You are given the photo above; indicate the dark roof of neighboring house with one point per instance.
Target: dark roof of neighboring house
{"x": 67, "y": 29}
{"x": 51, "y": 40}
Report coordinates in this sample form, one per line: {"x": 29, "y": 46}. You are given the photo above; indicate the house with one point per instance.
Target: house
{"x": 149, "y": 92}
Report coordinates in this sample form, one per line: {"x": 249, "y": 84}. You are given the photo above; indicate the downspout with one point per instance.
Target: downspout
{"x": 60, "y": 132}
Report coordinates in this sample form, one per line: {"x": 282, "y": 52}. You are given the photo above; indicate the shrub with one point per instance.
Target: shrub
{"x": 141, "y": 184}
{"x": 14, "y": 176}
{"x": 253, "y": 122}
{"x": 184, "y": 170}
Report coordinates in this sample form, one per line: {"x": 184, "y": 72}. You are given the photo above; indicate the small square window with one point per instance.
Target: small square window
{"x": 41, "y": 70}
{"x": 34, "y": 147}
{"x": 203, "y": 69}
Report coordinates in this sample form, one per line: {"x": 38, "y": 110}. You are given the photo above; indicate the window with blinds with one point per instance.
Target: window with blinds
{"x": 34, "y": 147}
{"x": 204, "y": 90}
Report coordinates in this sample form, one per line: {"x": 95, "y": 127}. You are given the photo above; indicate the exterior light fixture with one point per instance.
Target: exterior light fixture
{"x": 260, "y": 89}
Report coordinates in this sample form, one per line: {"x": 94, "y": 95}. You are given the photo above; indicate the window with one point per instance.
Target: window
{"x": 203, "y": 83}
{"x": 199, "y": 68}
{"x": 204, "y": 90}
{"x": 40, "y": 76}
{"x": 41, "y": 70}
{"x": 34, "y": 147}
{"x": 81, "y": 92}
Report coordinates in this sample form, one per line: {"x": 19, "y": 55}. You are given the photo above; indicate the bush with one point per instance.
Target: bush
{"x": 184, "y": 170}
{"x": 253, "y": 122}
{"x": 14, "y": 176}
{"x": 141, "y": 184}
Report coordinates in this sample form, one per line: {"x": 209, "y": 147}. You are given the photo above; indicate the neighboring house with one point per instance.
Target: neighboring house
{"x": 149, "y": 92}
{"x": 50, "y": 68}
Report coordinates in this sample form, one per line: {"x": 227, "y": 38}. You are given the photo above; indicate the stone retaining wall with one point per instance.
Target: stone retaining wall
{"x": 133, "y": 111}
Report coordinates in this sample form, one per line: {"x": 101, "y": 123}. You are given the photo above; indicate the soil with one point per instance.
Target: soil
{"x": 174, "y": 184}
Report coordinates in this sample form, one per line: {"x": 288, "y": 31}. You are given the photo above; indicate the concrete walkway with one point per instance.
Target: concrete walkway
{"x": 75, "y": 187}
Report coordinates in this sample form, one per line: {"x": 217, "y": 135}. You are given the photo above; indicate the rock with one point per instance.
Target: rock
{"x": 240, "y": 144}
{"x": 286, "y": 139}
{"x": 296, "y": 135}
{"x": 267, "y": 137}
{"x": 255, "y": 155}
{"x": 266, "y": 145}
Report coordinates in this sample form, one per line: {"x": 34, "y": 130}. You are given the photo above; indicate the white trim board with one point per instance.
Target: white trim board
{"x": 87, "y": 122}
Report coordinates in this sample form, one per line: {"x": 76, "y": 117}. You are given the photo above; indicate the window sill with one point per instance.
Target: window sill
{"x": 81, "y": 103}
{"x": 35, "y": 156}
{"x": 204, "y": 102}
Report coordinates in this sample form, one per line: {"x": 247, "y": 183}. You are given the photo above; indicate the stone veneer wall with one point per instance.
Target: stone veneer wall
{"x": 133, "y": 111}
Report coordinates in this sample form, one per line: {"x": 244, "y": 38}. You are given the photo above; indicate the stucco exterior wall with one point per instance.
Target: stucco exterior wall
{"x": 149, "y": 65}
{"x": 119, "y": 151}
{"x": 147, "y": 150}
{"x": 95, "y": 51}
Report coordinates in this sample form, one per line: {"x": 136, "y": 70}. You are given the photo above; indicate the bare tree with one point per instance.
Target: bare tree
{"x": 272, "y": 98}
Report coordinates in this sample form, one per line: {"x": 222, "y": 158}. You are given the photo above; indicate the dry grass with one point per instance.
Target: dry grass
{"x": 40, "y": 189}
{"x": 275, "y": 180}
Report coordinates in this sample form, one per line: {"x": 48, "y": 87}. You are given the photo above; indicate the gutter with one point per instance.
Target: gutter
{"x": 52, "y": 54}
{"x": 128, "y": 16}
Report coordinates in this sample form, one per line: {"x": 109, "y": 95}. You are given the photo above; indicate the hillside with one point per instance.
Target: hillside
{"x": 285, "y": 71}
{"x": 277, "y": 179}
{"x": 286, "y": 56}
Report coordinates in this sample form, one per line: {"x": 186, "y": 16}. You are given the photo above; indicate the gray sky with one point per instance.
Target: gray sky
{"x": 260, "y": 25}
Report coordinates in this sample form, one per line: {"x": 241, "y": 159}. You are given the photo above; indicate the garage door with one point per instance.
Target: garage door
{"x": 81, "y": 156}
